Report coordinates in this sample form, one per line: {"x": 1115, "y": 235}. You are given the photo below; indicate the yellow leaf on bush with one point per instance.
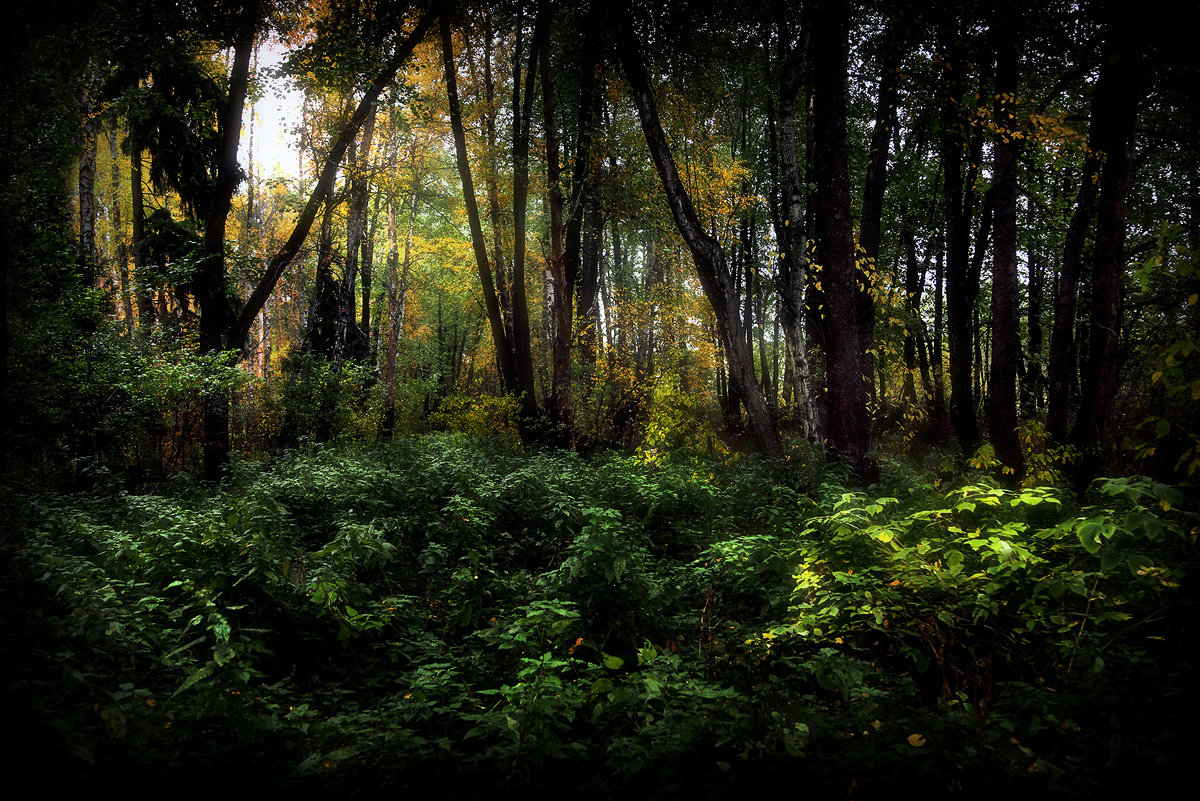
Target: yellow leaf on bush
{"x": 916, "y": 740}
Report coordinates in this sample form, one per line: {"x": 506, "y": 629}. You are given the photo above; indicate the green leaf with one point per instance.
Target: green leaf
{"x": 1110, "y": 560}
{"x": 199, "y": 674}
{"x": 954, "y": 561}
{"x": 613, "y": 662}
{"x": 1139, "y": 562}
{"x": 1090, "y": 533}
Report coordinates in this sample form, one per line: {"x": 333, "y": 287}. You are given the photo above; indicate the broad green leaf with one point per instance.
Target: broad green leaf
{"x": 1139, "y": 562}
{"x": 1110, "y": 560}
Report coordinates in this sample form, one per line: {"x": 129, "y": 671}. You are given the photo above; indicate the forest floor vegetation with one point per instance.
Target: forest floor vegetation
{"x": 455, "y": 615}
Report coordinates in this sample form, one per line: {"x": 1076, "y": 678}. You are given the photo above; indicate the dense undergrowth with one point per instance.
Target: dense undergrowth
{"x": 458, "y": 617}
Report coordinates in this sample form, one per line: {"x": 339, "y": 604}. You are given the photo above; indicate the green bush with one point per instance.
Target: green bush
{"x": 444, "y": 610}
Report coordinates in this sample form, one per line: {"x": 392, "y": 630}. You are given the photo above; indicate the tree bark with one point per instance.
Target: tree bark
{"x": 959, "y": 294}
{"x": 522, "y": 109}
{"x": 356, "y": 226}
{"x": 143, "y": 289}
{"x": 791, "y": 278}
{"x": 914, "y": 283}
{"x": 562, "y": 285}
{"x": 871, "y": 220}
{"x": 209, "y": 285}
{"x": 88, "y": 254}
{"x": 1006, "y": 341}
{"x": 938, "y": 403}
{"x": 1061, "y": 373}
{"x": 849, "y": 424}
{"x": 122, "y": 248}
{"x": 1115, "y": 136}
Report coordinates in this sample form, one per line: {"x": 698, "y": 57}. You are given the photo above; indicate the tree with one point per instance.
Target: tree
{"x": 790, "y": 230}
{"x": 707, "y": 254}
{"x": 1115, "y": 137}
{"x": 231, "y": 331}
{"x": 1006, "y": 339}
{"x": 895, "y": 42}
{"x": 510, "y": 333}
{"x": 849, "y": 424}
{"x": 962, "y": 283}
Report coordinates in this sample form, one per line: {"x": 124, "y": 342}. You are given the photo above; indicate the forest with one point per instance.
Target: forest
{"x": 614, "y": 399}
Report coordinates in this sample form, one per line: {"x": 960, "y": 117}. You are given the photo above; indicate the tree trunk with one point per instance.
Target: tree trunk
{"x": 1061, "y": 373}
{"x": 561, "y": 315}
{"x": 1006, "y": 337}
{"x": 959, "y": 294}
{"x": 88, "y": 255}
{"x": 939, "y": 336}
{"x": 395, "y": 321}
{"x": 122, "y": 249}
{"x": 1033, "y": 384}
{"x": 914, "y": 283}
{"x": 875, "y": 185}
{"x": 1115, "y": 137}
{"x": 522, "y": 110}
{"x": 144, "y": 290}
{"x": 791, "y": 279}
{"x": 503, "y": 344}
{"x": 584, "y": 222}
{"x": 849, "y": 424}
{"x": 356, "y": 224}
{"x": 590, "y": 279}
{"x": 280, "y": 261}
{"x": 707, "y": 254}
{"x": 216, "y": 315}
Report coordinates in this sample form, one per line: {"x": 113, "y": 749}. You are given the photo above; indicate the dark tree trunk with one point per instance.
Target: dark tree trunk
{"x": 584, "y": 221}
{"x": 707, "y": 254}
{"x": 561, "y": 282}
{"x": 939, "y": 336}
{"x": 144, "y": 290}
{"x": 914, "y": 283}
{"x": 849, "y": 424}
{"x": 959, "y": 290}
{"x": 504, "y": 351}
{"x": 356, "y": 221}
{"x": 522, "y": 111}
{"x": 1062, "y": 374}
{"x": 1006, "y": 337}
{"x": 875, "y": 185}
{"x": 590, "y": 279}
{"x": 216, "y": 313}
{"x": 88, "y": 255}
{"x": 1032, "y": 384}
{"x": 122, "y": 249}
{"x": 1115, "y": 137}
{"x": 367, "y": 268}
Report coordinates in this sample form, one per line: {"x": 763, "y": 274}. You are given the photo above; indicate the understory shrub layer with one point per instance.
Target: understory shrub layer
{"x": 453, "y": 615}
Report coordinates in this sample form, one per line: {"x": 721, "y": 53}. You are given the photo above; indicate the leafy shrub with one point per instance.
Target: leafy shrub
{"x": 446, "y": 610}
